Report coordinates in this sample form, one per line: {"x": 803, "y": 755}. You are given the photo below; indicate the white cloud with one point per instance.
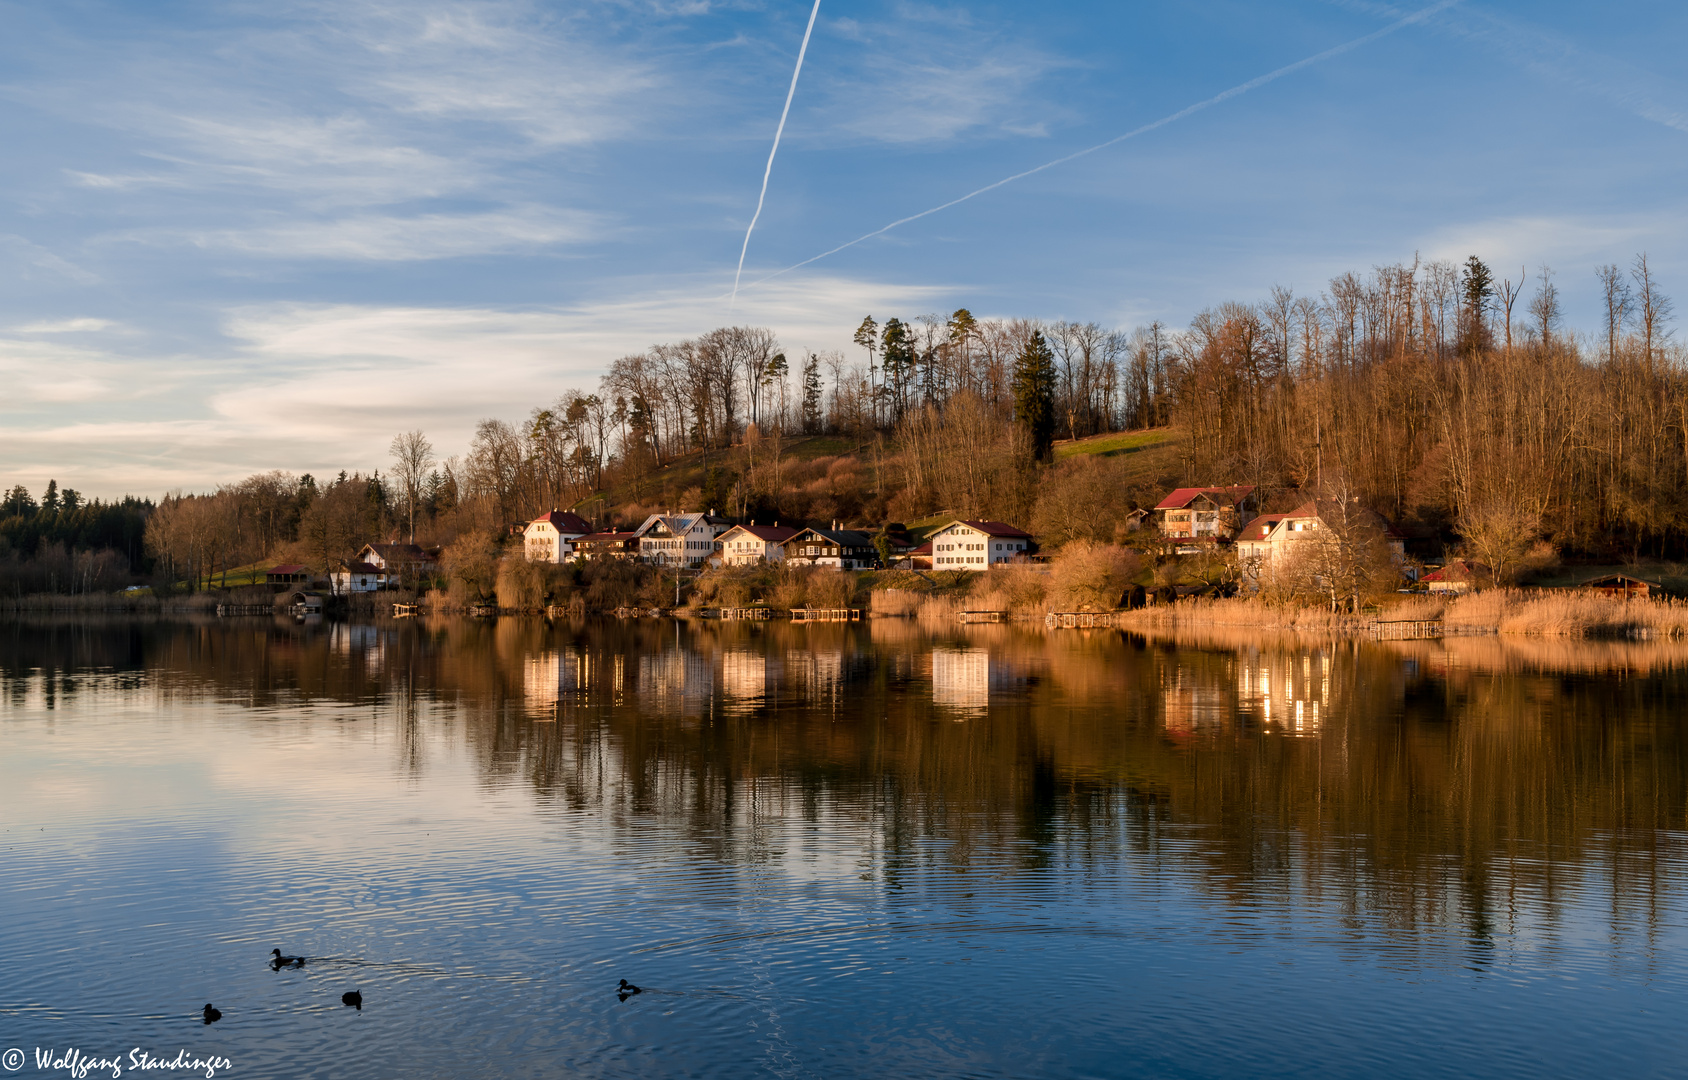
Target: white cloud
{"x": 66, "y": 326}
{"x": 390, "y": 239}
{"x": 320, "y": 387}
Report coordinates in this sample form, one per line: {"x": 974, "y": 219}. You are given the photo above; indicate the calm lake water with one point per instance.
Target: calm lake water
{"x": 840, "y": 851}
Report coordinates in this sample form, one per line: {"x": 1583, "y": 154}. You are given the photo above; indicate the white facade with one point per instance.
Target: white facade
{"x": 747, "y": 545}
{"x": 548, "y": 538}
{"x": 965, "y": 545}
{"x": 679, "y": 539}
{"x": 357, "y": 578}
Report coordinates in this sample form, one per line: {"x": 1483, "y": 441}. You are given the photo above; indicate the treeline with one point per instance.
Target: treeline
{"x": 1446, "y": 398}
{"x": 68, "y": 544}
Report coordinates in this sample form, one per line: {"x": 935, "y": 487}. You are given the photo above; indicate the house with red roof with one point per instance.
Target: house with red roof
{"x": 747, "y": 545}
{"x": 1266, "y": 543}
{"x": 975, "y": 545}
{"x": 1206, "y": 514}
{"x": 549, "y": 537}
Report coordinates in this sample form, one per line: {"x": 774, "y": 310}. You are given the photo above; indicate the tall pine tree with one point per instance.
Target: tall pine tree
{"x": 812, "y": 395}
{"x": 1034, "y": 393}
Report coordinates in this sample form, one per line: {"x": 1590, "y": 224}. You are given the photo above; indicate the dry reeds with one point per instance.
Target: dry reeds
{"x": 1503, "y": 611}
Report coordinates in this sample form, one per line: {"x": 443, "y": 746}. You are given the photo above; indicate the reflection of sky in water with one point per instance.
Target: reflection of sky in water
{"x": 1107, "y": 870}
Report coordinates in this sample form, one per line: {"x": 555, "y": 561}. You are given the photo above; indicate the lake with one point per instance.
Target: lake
{"x": 869, "y": 849}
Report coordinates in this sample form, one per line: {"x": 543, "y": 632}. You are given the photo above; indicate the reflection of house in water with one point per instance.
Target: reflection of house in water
{"x": 1188, "y": 706}
{"x": 1289, "y": 692}
{"x": 815, "y": 674}
{"x": 961, "y": 679}
{"x": 345, "y": 639}
{"x": 677, "y": 674}
{"x": 744, "y": 673}
{"x": 565, "y": 677}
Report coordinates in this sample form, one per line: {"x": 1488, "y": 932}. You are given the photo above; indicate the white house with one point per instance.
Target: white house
{"x": 549, "y": 537}
{"x": 398, "y": 561}
{"x": 747, "y": 545}
{"x": 1265, "y": 543}
{"x": 974, "y": 545}
{"x": 679, "y": 539}
{"x": 357, "y": 577}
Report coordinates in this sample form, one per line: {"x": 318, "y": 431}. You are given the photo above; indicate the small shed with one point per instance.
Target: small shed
{"x": 287, "y": 574}
{"x": 304, "y": 603}
{"x": 1620, "y": 585}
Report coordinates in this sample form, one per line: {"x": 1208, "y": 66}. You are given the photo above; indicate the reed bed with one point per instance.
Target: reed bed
{"x": 1500, "y": 611}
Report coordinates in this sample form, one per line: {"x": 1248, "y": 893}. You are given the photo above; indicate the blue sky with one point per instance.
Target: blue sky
{"x": 271, "y": 235}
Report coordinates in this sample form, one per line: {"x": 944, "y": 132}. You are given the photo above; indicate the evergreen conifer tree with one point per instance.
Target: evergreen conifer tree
{"x": 1034, "y": 393}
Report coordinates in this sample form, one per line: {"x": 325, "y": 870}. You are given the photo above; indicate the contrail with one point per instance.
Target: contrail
{"x": 767, "y": 172}
{"x": 1241, "y": 88}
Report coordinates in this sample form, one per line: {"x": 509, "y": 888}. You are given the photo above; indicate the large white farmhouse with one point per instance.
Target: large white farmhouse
{"x": 679, "y": 539}
{"x": 747, "y": 545}
{"x": 549, "y": 537}
{"x": 974, "y": 545}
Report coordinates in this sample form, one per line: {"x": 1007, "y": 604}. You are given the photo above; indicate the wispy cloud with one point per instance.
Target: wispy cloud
{"x": 932, "y": 75}
{"x": 393, "y": 238}
{"x": 29, "y": 259}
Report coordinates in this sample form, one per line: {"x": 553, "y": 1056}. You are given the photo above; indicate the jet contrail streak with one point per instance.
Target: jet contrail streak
{"x": 767, "y": 172}
{"x": 1241, "y": 88}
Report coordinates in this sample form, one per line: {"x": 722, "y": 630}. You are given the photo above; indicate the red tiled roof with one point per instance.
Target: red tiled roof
{"x": 1265, "y": 523}
{"x": 1181, "y": 497}
{"x": 923, "y": 549}
{"x": 997, "y": 528}
{"x": 1459, "y": 569}
{"x": 565, "y": 521}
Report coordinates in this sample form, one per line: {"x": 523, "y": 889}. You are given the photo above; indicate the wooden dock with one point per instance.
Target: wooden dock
{"x": 406, "y": 611}
{"x": 1079, "y": 620}
{"x": 1408, "y": 629}
{"x": 807, "y": 615}
{"x": 761, "y": 612}
{"x": 984, "y": 616}
{"x": 227, "y": 610}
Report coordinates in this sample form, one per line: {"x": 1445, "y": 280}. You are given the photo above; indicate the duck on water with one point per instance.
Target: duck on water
{"x": 279, "y": 961}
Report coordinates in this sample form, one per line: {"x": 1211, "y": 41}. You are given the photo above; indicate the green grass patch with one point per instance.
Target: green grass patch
{"x": 1115, "y": 442}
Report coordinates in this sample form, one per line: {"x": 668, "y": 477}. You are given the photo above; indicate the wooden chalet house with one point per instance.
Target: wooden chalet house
{"x": 841, "y": 549}
{"x": 606, "y": 545}
{"x": 1196, "y": 516}
{"x": 398, "y": 562}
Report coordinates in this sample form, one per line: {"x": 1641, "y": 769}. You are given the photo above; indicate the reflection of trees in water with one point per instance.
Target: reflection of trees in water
{"x": 1407, "y": 784}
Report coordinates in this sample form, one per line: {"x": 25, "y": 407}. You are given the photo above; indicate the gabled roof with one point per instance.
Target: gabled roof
{"x": 1182, "y": 497}
{"x": 679, "y": 523}
{"x": 992, "y": 528}
{"x": 399, "y": 552}
{"x": 842, "y": 537}
{"x": 1261, "y": 527}
{"x": 359, "y": 568}
{"x": 289, "y": 568}
{"x": 565, "y": 521}
{"x": 772, "y": 534}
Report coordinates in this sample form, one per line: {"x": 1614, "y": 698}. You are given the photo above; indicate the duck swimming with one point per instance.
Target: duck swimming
{"x": 353, "y": 998}
{"x": 279, "y": 961}
{"x": 628, "y": 988}
{"x": 211, "y": 1013}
